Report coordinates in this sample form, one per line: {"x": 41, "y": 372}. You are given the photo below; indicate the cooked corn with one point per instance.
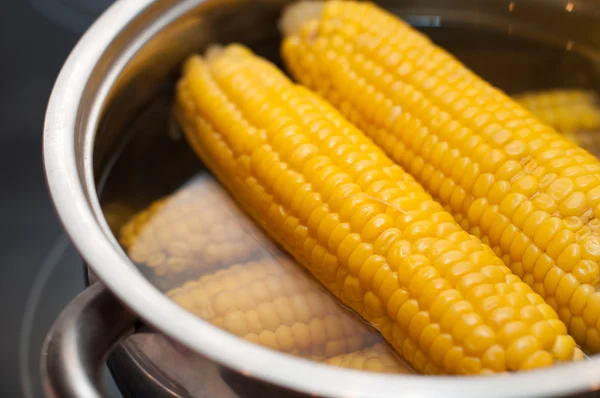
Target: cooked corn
{"x": 274, "y": 304}
{"x": 377, "y": 358}
{"x": 197, "y": 228}
{"x": 568, "y": 111}
{"x": 362, "y": 225}
{"x": 525, "y": 190}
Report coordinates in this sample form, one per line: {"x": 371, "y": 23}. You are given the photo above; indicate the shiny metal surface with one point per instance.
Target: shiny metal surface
{"x": 131, "y": 56}
{"x": 150, "y": 365}
{"x": 79, "y": 341}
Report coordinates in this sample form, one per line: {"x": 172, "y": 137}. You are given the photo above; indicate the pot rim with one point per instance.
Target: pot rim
{"x": 71, "y": 184}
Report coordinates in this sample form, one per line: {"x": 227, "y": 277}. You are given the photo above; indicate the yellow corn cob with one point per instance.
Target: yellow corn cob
{"x": 117, "y": 213}
{"x": 568, "y": 111}
{"x": 525, "y": 190}
{"x": 274, "y": 304}
{"x": 377, "y": 358}
{"x": 360, "y": 224}
{"x": 197, "y": 228}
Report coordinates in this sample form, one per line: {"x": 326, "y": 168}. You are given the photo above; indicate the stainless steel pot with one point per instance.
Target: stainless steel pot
{"x": 130, "y": 57}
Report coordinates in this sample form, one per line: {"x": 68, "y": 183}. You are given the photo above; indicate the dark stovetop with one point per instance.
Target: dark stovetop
{"x": 40, "y": 272}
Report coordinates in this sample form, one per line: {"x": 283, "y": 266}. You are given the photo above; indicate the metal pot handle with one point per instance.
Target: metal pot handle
{"x": 79, "y": 342}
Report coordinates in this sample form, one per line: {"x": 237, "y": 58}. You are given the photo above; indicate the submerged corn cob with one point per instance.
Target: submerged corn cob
{"x": 116, "y": 214}
{"x": 525, "y": 190}
{"x": 197, "y": 228}
{"x": 274, "y": 304}
{"x": 377, "y": 358}
{"x": 568, "y": 111}
{"x": 360, "y": 224}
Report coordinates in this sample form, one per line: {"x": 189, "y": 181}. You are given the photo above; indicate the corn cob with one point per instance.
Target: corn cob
{"x": 360, "y": 224}
{"x": 377, "y": 358}
{"x": 508, "y": 179}
{"x": 274, "y": 304}
{"x": 568, "y": 111}
{"x": 197, "y": 228}
{"x": 117, "y": 213}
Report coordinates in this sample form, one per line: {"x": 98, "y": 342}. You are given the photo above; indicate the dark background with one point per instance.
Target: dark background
{"x": 39, "y": 271}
